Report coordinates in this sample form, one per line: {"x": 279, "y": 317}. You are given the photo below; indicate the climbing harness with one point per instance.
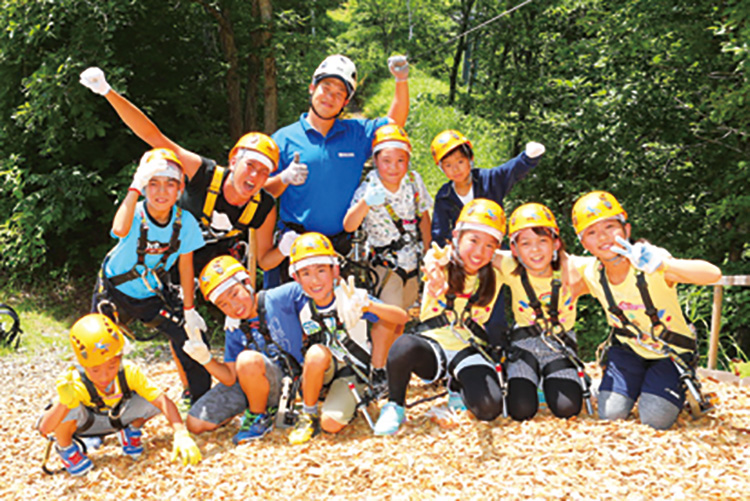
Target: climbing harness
{"x": 553, "y": 335}
{"x": 114, "y": 414}
{"x": 346, "y": 350}
{"x": 10, "y": 327}
{"x": 660, "y": 340}
{"x": 477, "y": 339}
{"x": 214, "y": 189}
{"x": 386, "y": 255}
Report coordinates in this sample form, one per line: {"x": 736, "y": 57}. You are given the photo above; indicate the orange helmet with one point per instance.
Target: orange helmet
{"x": 311, "y": 248}
{"x": 594, "y": 207}
{"x": 532, "y": 215}
{"x": 216, "y": 275}
{"x": 260, "y": 147}
{"x": 482, "y": 215}
{"x": 447, "y": 141}
{"x": 391, "y": 136}
{"x": 96, "y": 339}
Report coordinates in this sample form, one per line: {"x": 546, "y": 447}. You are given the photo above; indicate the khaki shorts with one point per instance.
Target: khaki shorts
{"x": 340, "y": 404}
{"x": 395, "y": 291}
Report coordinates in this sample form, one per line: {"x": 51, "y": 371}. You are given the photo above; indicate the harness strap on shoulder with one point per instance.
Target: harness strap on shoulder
{"x": 94, "y": 396}
{"x": 213, "y": 192}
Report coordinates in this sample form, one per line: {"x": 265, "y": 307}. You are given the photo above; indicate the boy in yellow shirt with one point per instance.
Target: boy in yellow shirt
{"x": 107, "y": 395}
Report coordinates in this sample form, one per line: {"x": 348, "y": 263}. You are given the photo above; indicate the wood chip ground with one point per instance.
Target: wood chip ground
{"x": 545, "y": 458}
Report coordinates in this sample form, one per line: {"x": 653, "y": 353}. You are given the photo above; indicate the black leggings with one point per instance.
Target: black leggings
{"x": 564, "y": 397}
{"x": 412, "y": 354}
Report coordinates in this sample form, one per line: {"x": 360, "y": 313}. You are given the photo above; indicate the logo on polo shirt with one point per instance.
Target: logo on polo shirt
{"x": 346, "y": 154}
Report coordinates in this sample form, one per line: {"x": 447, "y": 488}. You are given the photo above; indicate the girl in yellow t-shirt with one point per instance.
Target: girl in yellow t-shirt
{"x": 637, "y": 369}
{"x": 455, "y": 334}
{"x": 544, "y": 309}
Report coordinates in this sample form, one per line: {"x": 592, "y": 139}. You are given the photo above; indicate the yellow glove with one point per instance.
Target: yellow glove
{"x": 66, "y": 388}
{"x": 184, "y": 447}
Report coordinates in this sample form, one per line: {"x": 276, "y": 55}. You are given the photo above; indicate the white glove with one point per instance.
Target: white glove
{"x": 534, "y": 150}
{"x": 642, "y": 255}
{"x": 194, "y": 324}
{"x": 231, "y": 324}
{"x": 295, "y": 173}
{"x": 197, "y": 350}
{"x": 93, "y": 78}
{"x": 350, "y": 302}
{"x": 143, "y": 175}
{"x": 374, "y": 194}
{"x": 399, "y": 67}
{"x": 285, "y": 244}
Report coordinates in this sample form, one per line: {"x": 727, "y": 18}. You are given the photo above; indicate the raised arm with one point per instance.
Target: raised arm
{"x": 137, "y": 121}
{"x": 399, "y": 110}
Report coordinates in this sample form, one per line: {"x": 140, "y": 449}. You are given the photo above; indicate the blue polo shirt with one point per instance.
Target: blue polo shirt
{"x": 335, "y": 164}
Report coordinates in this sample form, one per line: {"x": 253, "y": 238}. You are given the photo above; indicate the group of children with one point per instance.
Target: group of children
{"x": 311, "y": 335}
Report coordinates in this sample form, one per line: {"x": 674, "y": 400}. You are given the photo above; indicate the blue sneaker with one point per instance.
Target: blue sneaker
{"x": 130, "y": 440}
{"x": 456, "y": 402}
{"x": 253, "y": 427}
{"x": 391, "y": 417}
{"x": 76, "y": 462}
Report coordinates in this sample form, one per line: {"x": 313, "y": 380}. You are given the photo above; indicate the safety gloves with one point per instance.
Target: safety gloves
{"x": 65, "y": 385}
{"x": 194, "y": 346}
{"x": 295, "y": 173}
{"x": 534, "y": 150}
{"x": 374, "y": 194}
{"x": 350, "y": 302}
{"x": 285, "y": 244}
{"x": 93, "y": 78}
{"x": 399, "y": 67}
{"x": 184, "y": 448}
{"x": 434, "y": 261}
{"x": 642, "y": 255}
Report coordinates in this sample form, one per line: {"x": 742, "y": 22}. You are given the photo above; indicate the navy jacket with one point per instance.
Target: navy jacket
{"x": 492, "y": 184}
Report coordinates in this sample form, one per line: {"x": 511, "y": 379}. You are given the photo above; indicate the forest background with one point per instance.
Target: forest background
{"x": 647, "y": 99}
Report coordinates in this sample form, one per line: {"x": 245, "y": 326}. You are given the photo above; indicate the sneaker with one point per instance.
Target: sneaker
{"x": 76, "y": 462}
{"x": 130, "y": 440}
{"x": 456, "y": 402}
{"x": 253, "y": 427}
{"x": 306, "y": 428}
{"x": 391, "y": 418}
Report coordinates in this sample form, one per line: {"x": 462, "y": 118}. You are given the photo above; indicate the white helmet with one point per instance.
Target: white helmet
{"x": 340, "y": 67}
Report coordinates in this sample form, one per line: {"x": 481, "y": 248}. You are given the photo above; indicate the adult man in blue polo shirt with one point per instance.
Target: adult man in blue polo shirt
{"x": 322, "y": 156}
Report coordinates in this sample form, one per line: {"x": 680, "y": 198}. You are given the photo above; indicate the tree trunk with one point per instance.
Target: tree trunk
{"x": 465, "y": 13}
{"x": 232, "y": 79}
{"x": 270, "y": 94}
{"x": 253, "y": 75}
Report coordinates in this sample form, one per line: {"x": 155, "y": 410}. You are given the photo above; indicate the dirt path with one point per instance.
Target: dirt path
{"x": 545, "y": 458}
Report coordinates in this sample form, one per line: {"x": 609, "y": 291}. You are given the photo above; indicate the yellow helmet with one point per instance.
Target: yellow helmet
{"x": 96, "y": 339}
{"x": 260, "y": 147}
{"x": 594, "y": 207}
{"x": 163, "y": 157}
{"x": 216, "y": 275}
{"x": 391, "y": 136}
{"x": 482, "y": 215}
{"x": 532, "y": 215}
{"x": 309, "y": 249}
{"x": 447, "y": 141}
